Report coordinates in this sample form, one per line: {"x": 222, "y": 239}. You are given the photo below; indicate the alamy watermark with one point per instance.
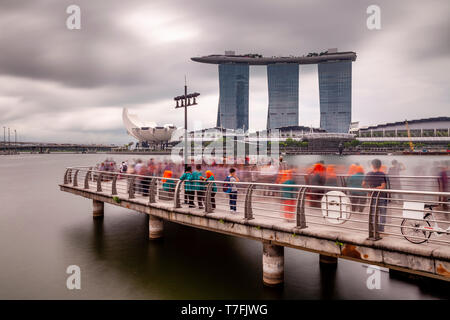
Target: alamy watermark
{"x": 73, "y": 21}
{"x": 221, "y": 146}
{"x": 374, "y": 280}
{"x": 74, "y": 280}
{"x": 373, "y": 21}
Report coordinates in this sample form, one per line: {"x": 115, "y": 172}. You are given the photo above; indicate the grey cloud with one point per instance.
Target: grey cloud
{"x": 103, "y": 65}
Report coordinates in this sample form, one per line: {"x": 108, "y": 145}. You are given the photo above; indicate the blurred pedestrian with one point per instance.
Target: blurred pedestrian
{"x": 376, "y": 179}
{"x": 443, "y": 187}
{"x": 188, "y": 187}
{"x": 287, "y": 194}
{"x": 232, "y": 189}
{"x": 210, "y": 178}
{"x": 394, "y": 178}
{"x": 331, "y": 177}
{"x": 316, "y": 177}
{"x": 355, "y": 180}
{"x": 168, "y": 184}
{"x": 199, "y": 185}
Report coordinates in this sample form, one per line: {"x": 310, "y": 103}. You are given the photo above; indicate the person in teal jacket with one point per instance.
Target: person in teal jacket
{"x": 188, "y": 187}
{"x": 199, "y": 185}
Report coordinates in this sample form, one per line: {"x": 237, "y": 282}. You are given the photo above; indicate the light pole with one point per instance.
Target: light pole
{"x": 186, "y": 102}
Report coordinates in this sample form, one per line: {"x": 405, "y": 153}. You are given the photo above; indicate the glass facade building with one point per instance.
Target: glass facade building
{"x": 233, "y": 96}
{"x": 335, "y": 88}
{"x": 283, "y": 95}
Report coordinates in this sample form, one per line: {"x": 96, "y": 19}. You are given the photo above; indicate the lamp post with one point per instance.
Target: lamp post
{"x": 184, "y": 101}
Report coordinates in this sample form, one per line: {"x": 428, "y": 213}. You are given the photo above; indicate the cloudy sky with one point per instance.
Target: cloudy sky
{"x": 61, "y": 85}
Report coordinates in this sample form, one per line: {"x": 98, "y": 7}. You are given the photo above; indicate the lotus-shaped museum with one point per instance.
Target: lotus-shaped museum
{"x": 146, "y": 131}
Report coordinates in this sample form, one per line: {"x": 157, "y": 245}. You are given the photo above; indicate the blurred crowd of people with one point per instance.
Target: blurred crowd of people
{"x": 355, "y": 175}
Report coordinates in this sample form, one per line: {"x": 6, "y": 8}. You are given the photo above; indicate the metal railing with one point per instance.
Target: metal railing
{"x": 398, "y": 213}
{"x": 403, "y": 182}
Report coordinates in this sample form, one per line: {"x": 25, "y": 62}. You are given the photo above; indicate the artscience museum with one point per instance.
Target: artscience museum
{"x": 148, "y": 133}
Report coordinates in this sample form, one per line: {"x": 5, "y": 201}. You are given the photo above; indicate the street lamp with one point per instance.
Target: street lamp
{"x": 184, "y": 101}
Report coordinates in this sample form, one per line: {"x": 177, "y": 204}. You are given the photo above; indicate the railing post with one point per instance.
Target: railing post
{"x": 86, "y": 179}
{"x": 66, "y": 180}
{"x": 388, "y": 186}
{"x": 248, "y": 211}
{"x": 114, "y": 185}
{"x": 152, "y": 190}
{"x": 208, "y": 205}
{"x": 373, "y": 216}
{"x": 69, "y": 176}
{"x": 343, "y": 181}
{"x": 99, "y": 182}
{"x": 75, "y": 178}
{"x": 300, "y": 214}
{"x": 131, "y": 187}
{"x": 176, "y": 198}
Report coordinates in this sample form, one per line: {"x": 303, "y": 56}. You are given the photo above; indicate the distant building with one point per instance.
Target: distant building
{"x": 297, "y": 132}
{"x": 233, "y": 96}
{"x": 283, "y": 95}
{"x": 428, "y": 129}
{"x": 211, "y": 134}
{"x": 335, "y": 88}
{"x": 335, "y": 81}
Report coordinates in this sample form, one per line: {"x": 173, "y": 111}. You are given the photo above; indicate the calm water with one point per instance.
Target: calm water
{"x": 44, "y": 230}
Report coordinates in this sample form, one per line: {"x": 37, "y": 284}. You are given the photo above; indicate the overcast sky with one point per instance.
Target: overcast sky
{"x": 61, "y": 85}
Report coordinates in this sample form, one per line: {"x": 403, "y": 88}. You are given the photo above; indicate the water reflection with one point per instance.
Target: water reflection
{"x": 327, "y": 281}
{"x": 98, "y": 238}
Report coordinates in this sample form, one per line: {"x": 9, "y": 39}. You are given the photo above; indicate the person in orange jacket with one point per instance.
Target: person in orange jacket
{"x": 288, "y": 194}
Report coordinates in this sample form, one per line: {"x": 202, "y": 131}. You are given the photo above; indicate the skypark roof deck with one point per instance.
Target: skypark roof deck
{"x": 254, "y": 59}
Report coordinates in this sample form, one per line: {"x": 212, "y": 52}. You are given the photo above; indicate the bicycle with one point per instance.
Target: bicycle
{"x": 419, "y": 229}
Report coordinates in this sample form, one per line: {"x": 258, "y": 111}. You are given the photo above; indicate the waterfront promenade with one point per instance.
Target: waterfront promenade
{"x": 308, "y": 225}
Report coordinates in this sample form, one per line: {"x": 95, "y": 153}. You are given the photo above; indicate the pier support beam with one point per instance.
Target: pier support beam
{"x": 273, "y": 264}
{"x": 98, "y": 208}
{"x": 328, "y": 261}
{"x": 155, "y": 227}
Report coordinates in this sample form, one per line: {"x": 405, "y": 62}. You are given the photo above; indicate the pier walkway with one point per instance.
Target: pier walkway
{"x": 365, "y": 225}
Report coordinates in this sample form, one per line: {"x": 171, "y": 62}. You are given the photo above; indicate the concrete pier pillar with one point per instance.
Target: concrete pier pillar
{"x": 328, "y": 261}
{"x": 98, "y": 208}
{"x": 273, "y": 264}
{"x": 155, "y": 227}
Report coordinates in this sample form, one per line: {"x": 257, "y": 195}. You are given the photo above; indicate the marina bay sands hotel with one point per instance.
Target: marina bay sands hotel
{"x": 335, "y": 88}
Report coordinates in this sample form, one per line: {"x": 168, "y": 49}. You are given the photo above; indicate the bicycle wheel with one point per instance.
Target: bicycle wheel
{"x": 411, "y": 229}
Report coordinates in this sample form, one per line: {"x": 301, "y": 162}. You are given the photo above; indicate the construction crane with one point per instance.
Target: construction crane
{"x": 411, "y": 145}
